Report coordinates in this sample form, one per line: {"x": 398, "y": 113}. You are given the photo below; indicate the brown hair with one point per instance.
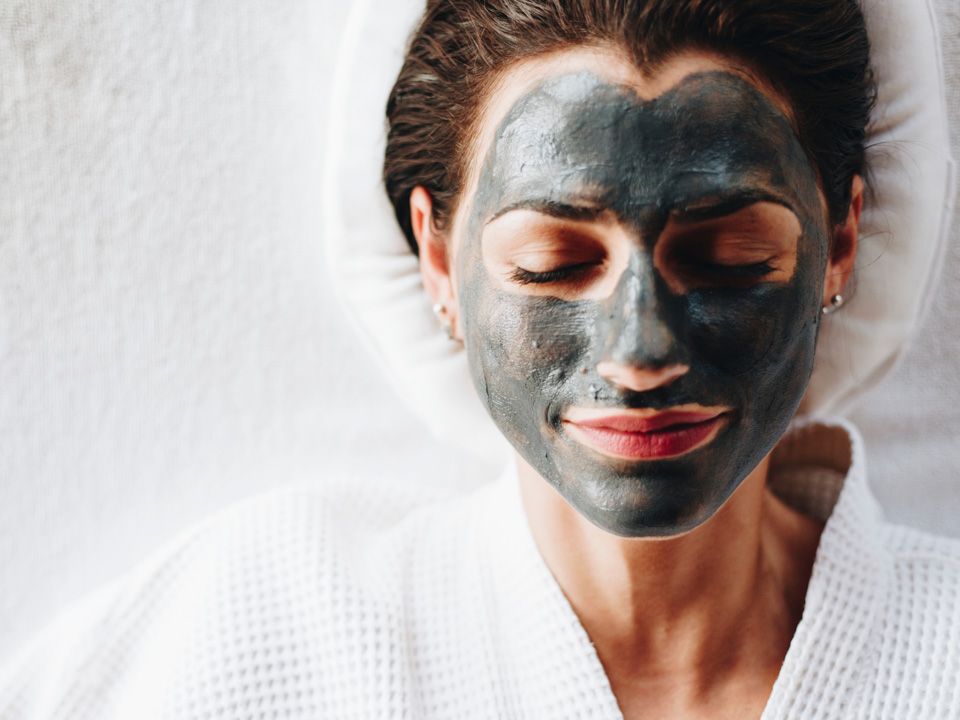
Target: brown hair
{"x": 814, "y": 53}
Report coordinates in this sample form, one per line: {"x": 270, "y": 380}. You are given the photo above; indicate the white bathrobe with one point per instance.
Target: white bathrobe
{"x": 369, "y": 601}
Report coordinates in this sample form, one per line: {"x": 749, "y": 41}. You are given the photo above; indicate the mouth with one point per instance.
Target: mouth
{"x": 645, "y": 435}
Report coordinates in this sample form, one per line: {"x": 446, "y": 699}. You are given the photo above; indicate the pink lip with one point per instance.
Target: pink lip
{"x": 664, "y": 435}
{"x": 635, "y": 424}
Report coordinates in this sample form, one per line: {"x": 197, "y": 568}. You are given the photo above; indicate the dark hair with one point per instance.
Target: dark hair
{"x": 814, "y": 53}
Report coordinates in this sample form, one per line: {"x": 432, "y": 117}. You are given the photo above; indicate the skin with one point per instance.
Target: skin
{"x": 666, "y": 193}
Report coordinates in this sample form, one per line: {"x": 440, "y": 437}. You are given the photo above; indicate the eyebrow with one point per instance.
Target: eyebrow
{"x": 718, "y": 205}
{"x": 707, "y": 207}
{"x": 564, "y": 211}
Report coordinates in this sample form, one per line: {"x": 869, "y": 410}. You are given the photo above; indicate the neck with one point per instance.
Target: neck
{"x": 690, "y": 611}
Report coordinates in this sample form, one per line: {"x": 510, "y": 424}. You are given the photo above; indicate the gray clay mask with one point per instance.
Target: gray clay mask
{"x": 713, "y": 141}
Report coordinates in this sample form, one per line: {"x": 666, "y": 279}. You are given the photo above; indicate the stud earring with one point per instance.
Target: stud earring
{"x": 440, "y": 310}
{"x": 836, "y": 302}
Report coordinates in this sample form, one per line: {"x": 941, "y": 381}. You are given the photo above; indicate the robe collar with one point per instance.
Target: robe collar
{"x": 550, "y": 668}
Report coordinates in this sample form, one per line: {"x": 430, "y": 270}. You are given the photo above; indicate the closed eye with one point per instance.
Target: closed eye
{"x": 522, "y": 276}
{"x": 755, "y": 245}
{"x": 749, "y": 270}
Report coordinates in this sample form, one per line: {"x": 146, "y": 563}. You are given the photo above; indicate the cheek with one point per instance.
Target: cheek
{"x": 760, "y": 346}
{"x": 525, "y": 352}
{"x": 536, "y": 340}
{"x": 740, "y": 332}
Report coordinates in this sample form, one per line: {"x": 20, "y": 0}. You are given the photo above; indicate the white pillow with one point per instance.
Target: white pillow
{"x": 903, "y": 228}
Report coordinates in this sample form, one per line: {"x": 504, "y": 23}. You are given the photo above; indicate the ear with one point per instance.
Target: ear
{"x": 843, "y": 249}
{"x": 434, "y": 259}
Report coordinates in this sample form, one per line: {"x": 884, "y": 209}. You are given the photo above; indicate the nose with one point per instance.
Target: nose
{"x": 640, "y": 379}
{"x": 641, "y": 350}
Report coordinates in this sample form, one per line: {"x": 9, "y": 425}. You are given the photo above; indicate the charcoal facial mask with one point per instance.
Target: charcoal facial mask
{"x": 748, "y": 342}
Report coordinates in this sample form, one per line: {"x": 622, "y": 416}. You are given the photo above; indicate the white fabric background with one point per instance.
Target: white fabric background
{"x": 167, "y": 340}
{"x": 911, "y": 422}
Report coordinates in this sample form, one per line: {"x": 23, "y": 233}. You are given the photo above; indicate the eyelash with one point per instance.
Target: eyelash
{"x": 753, "y": 270}
{"x": 528, "y": 277}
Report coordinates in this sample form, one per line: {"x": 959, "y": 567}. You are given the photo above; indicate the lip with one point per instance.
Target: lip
{"x": 648, "y": 436}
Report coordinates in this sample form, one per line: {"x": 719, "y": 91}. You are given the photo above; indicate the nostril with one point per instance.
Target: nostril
{"x": 640, "y": 379}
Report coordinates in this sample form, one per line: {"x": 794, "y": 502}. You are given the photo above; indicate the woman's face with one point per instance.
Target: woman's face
{"x": 638, "y": 264}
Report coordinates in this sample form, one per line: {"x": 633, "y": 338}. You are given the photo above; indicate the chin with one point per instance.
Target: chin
{"x": 643, "y": 520}
{"x": 669, "y": 500}
{"x": 658, "y": 499}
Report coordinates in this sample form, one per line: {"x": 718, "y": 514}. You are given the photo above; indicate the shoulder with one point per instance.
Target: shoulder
{"x": 918, "y": 636}
{"x": 924, "y": 565}
{"x": 286, "y": 592}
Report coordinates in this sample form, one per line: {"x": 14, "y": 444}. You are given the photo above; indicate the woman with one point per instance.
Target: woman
{"x": 634, "y": 216}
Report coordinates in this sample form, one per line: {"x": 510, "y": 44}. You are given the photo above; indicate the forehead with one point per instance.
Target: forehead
{"x": 578, "y": 134}
{"x": 584, "y": 121}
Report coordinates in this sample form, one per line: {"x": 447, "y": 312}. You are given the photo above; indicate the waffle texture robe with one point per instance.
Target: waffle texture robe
{"x": 376, "y": 602}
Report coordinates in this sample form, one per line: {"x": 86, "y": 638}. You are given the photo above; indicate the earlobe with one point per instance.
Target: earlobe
{"x": 434, "y": 260}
